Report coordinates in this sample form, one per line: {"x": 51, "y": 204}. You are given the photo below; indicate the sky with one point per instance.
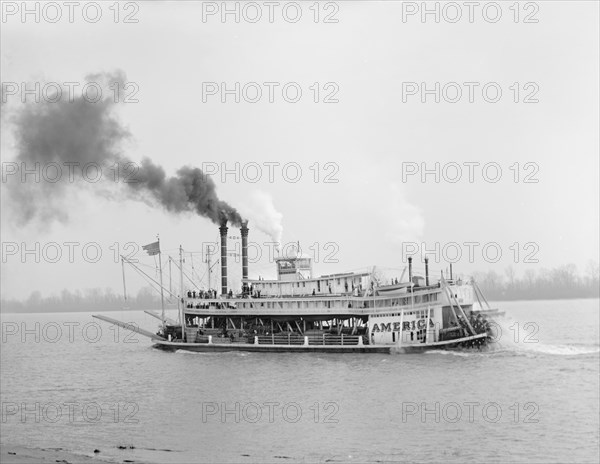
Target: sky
{"x": 361, "y": 197}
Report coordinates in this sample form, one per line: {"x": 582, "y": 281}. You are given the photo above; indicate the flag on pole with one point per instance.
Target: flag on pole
{"x": 152, "y": 248}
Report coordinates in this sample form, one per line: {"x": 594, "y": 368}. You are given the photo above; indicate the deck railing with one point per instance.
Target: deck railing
{"x": 283, "y": 339}
{"x": 323, "y": 339}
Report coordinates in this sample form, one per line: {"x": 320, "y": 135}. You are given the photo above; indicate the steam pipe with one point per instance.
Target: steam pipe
{"x": 410, "y": 269}
{"x": 223, "y": 230}
{"x": 426, "y": 271}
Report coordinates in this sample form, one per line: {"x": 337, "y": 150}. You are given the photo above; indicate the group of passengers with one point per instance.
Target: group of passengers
{"x": 202, "y": 294}
{"x": 213, "y": 305}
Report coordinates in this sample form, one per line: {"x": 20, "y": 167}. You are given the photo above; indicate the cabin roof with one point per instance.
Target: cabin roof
{"x": 312, "y": 279}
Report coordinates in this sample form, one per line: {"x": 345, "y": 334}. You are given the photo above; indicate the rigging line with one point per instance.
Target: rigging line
{"x": 146, "y": 266}
{"x": 193, "y": 269}
{"x": 201, "y": 278}
{"x": 188, "y": 278}
{"x": 150, "y": 283}
{"x": 157, "y": 290}
{"x": 192, "y": 260}
{"x": 139, "y": 270}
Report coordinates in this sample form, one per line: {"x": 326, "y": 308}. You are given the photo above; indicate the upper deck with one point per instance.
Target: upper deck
{"x": 339, "y": 305}
{"x": 354, "y": 283}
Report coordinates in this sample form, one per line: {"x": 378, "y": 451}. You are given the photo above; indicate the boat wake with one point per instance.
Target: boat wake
{"x": 462, "y": 354}
{"x": 526, "y": 342}
{"x": 520, "y": 350}
{"x": 557, "y": 350}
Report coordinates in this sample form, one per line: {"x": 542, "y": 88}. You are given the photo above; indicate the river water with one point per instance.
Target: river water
{"x": 73, "y": 382}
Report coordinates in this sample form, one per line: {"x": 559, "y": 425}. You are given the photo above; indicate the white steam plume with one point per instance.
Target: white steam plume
{"x": 259, "y": 209}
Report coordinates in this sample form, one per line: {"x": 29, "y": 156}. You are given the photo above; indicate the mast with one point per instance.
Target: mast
{"x": 162, "y": 293}
{"x": 181, "y": 289}
{"x": 124, "y": 287}
{"x": 170, "y": 280}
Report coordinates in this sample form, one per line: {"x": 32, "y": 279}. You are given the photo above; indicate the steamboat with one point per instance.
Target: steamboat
{"x": 339, "y": 313}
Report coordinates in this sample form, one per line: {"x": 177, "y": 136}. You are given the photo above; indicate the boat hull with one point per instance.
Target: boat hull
{"x": 461, "y": 343}
{"x": 248, "y": 347}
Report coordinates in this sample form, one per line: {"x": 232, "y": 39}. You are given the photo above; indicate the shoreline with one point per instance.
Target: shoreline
{"x": 10, "y": 454}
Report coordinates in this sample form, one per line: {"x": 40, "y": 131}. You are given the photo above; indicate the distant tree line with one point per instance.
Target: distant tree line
{"x": 557, "y": 283}
{"x": 545, "y": 284}
{"x": 94, "y": 299}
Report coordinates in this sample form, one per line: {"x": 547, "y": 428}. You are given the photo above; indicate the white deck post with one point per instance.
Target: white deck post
{"x": 256, "y": 340}
{"x": 210, "y": 339}
{"x": 305, "y": 340}
{"x": 401, "y": 327}
{"x": 427, "y": 322}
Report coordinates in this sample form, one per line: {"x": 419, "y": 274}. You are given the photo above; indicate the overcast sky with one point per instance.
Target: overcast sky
{"x": 370, "y": 57}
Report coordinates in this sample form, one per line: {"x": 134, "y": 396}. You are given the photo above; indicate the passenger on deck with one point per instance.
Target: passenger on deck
{"x": 194, "y": 294}
{"x": 189, "y": 294}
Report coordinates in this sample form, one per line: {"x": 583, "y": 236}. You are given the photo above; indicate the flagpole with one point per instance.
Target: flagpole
{"x": 181, "y": 289}
{"x": 162, "y": 294}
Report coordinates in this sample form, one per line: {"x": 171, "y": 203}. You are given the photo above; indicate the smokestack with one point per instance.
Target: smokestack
{"x": 410, "y": 268}
{"x": 223, "y": 230}
{"x": 244, "y": 230}
{"x": 426, "y": 271}
{"x": 450, "y": 271}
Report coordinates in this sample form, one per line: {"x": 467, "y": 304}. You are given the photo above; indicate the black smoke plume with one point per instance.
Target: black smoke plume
{"x": 78, "y": 132}
{"x": 189, "y": 189}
